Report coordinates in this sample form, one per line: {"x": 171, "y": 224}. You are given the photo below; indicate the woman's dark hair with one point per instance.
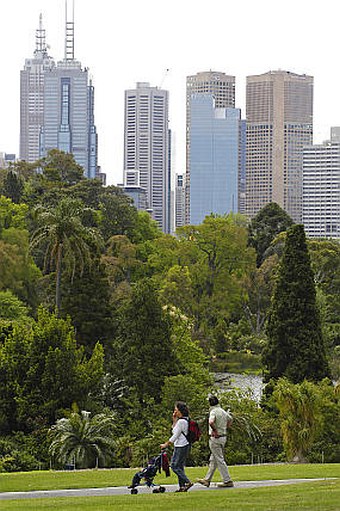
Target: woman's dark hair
{"x": 182, "y": 407}
{"x": 213, "y": 401}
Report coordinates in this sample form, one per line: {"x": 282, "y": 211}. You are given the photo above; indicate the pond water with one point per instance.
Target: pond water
{"x": 252, "y": 382}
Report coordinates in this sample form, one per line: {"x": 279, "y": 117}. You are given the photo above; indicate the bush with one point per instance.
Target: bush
{"x": 18, "y": 462}
{"x": 23, "y": 453}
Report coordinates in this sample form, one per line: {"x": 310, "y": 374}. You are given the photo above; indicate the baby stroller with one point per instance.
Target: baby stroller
{"x": 155, "y": 464}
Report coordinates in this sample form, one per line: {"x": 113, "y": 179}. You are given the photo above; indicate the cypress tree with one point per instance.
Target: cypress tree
{"x": 295, "y": 344}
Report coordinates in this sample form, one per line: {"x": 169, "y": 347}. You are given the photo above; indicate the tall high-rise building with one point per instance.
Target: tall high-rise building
{"x": 279, "y": 111}
{"x": 214, "y": 158}
{"x": 179, "y": 200}
{"x": 321, "y": 188}
{"x": 68, "y": 123}
{"x": 222, "y": 88}
{"x": 32, "y": 96}
{"x": 147, "y": 148}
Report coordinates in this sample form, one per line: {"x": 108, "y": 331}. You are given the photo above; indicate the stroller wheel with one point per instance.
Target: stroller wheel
{"x": 162, "y": 489}
{"x": 134, "y": 491}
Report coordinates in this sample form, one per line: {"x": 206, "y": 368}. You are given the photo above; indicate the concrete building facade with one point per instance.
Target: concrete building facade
{"x": 321, "y": 188}
{"x": 147, "y": 148}
{"x": 279, "y": 113}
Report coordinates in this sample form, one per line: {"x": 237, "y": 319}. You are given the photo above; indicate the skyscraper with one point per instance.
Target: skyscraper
{"x": 179, "y": 200}
{"x": 214, "y": 158}
{"x": 321, "y": 188}
{"x": 279, "y": 111}
{"x": 32, "y": 96}
{"x": 222, "y": 88}
{"x": 147, "y": 148}
{"x": 68, "y": 123}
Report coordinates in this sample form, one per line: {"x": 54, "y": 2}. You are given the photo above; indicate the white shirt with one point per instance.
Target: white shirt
{"x": 179, "y": 430}
{"x": 220, "y": 418}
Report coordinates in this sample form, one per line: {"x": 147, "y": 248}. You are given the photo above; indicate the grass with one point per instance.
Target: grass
{"x": 51, "y": 480}
{"x": 314, "y": 496}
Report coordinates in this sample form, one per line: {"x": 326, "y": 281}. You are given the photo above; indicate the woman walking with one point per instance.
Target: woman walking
{"x": 180, "y": 426}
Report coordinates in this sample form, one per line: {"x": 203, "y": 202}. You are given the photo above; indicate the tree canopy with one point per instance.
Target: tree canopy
{"x": 295, "y": 344}
{"x": 265, "y": 226}
{"x": 66, "y": 240}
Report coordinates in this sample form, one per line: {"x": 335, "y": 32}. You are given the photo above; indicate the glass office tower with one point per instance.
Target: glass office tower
{"x": 68, "y": 120}
{"x": 32, "y": 97}
{"x": 214, "y": 158}
{"x": 222, "y": 88}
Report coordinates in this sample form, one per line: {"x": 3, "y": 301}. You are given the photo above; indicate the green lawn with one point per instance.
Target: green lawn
{"x": 50, "y": 480}
{"x": 321, "y": 496}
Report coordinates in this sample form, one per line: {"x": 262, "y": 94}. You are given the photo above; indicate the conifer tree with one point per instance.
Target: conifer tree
{"x": 295, "y": 345}
{"x": 265, "y": 226}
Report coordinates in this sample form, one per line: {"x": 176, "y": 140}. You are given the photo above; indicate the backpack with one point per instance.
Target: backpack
{"x": 194, "y": 431}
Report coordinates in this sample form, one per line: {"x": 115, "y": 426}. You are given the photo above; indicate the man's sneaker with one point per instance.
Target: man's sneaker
{"x": 227, "y": 484}
{"x": 187, "y": 486}
{"x": 204, "y": 482}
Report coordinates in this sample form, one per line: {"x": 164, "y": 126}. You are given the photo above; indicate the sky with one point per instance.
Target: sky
{"x": 129, "y": 41}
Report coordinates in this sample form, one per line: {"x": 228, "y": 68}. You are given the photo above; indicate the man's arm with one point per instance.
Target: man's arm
{"x": 213, "y": 425}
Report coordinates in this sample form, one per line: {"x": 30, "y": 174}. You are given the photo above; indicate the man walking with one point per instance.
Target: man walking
{"x": 218, "y": 421}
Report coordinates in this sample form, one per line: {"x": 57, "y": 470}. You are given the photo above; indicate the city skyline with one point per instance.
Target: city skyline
{"x": 114, "y": 42}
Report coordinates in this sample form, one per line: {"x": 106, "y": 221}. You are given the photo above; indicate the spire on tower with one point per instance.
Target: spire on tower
{"x": 40, "y": 39}
{"x": 69, "y": 33}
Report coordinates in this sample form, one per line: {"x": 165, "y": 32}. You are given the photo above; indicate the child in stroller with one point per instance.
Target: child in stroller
{"x": 155, "y": 464}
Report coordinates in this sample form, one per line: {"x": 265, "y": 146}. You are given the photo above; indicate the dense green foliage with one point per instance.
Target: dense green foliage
{"x": 295, "y": 345}
{"x": 101, "y": 312}
{"x": 265, "y": 226}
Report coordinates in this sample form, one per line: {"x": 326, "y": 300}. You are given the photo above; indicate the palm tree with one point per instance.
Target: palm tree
{"x": 82, "y": 438}
{"x": 299, "y": 408}
{"x": 65, "y": 239}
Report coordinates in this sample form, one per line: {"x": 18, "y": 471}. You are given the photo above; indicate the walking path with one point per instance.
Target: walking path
{"x": 123, "y": 490}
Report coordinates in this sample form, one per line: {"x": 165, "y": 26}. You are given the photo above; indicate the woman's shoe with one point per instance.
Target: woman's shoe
{"x": 187, "y": 486}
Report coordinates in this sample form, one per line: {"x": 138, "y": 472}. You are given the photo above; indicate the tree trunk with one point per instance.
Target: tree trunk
{"x": 299, "y": 458}
{"x": 58, "y": 279}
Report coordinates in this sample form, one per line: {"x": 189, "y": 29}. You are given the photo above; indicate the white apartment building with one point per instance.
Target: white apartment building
{"x": 321, "y": 188}
{"x": 147, "y": 148}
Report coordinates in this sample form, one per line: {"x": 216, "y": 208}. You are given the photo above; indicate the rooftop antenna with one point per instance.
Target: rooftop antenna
{"x": 163, "y": 78}
{"x": 40, "y": 39}
{"x": 69, "y": 33}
